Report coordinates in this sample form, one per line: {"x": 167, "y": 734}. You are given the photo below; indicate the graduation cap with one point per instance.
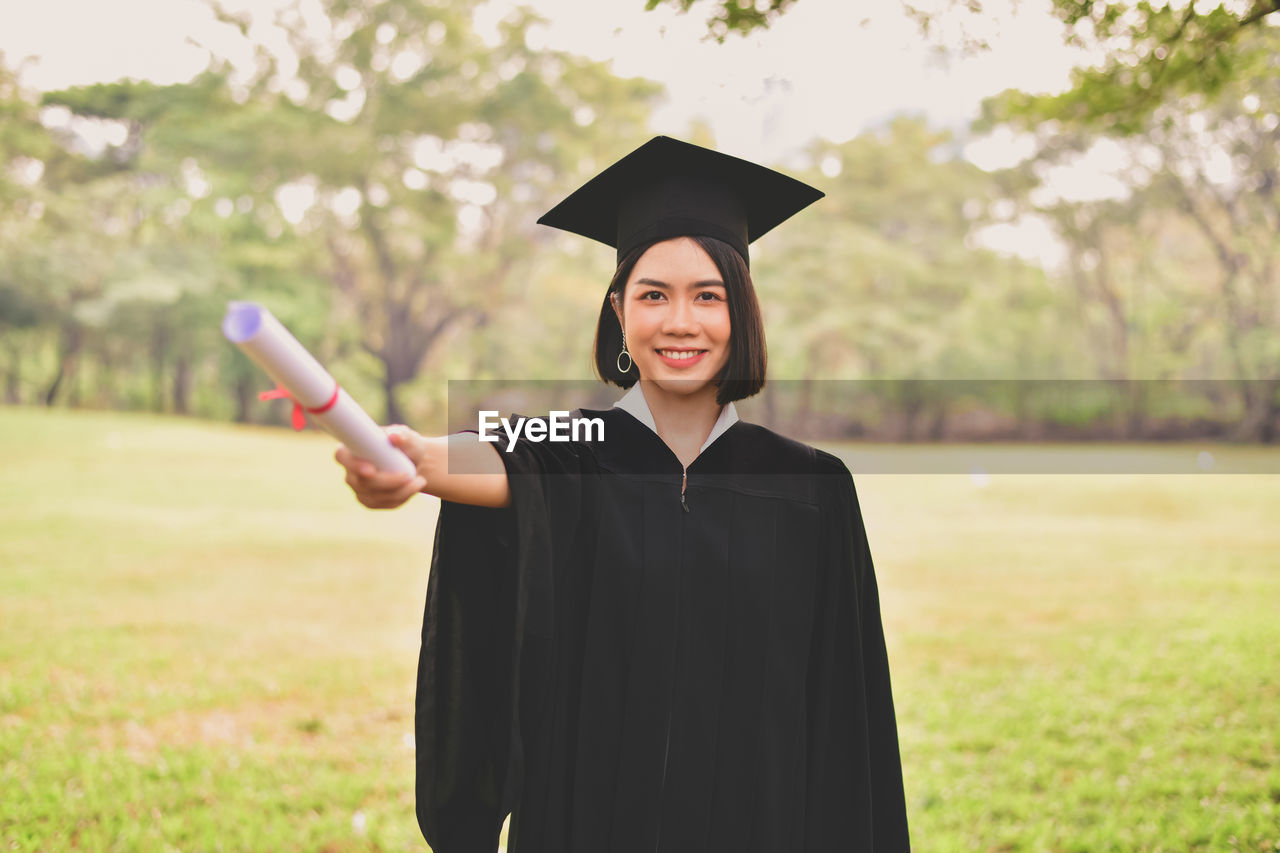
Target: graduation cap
{"x": 667, "y": 188}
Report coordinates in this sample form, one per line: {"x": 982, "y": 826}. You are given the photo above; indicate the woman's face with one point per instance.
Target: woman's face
{"x": 676, "y": 317}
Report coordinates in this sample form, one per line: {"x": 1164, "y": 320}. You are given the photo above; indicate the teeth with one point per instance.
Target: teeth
{"x": 680, "y": 355}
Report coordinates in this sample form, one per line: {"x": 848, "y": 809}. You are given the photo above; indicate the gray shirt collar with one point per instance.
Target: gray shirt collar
{"x": 634, "y": 404}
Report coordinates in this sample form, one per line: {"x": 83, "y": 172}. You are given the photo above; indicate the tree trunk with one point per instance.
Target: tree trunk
{"x": 401, "y": 359}
{"x": 13, "y": 377}
{"x": 394, "y": 415}
{"x": 104, "y": 391}
{"x": 159, "y": 349}
{"x": 181, "y": 385}
{"x": 937, "y": 429}
{"x": 1021, "y": 410}
{"x": 1270, "y": 427}
{"x": 70, "y": 350}
{"x": 1261, "y": 412}
{"x": 244, "y": 399}
{"x": 75, "y": 386}
{"x": 1136, "y": 424}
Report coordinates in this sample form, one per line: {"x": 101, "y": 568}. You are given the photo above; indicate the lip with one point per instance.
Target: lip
{"x": 681, "y": 363}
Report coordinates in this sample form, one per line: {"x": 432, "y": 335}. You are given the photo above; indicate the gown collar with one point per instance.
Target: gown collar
{"x": 634, "y": 404}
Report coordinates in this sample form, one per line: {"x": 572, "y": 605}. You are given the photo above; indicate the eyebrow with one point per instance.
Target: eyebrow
{"x": 653, "y": 282}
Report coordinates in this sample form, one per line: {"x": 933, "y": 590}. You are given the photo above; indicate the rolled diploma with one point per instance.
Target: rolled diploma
{"x": 260, "y": 336}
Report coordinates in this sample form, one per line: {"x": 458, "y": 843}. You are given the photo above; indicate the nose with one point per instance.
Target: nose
{"x": 680, "y": 318}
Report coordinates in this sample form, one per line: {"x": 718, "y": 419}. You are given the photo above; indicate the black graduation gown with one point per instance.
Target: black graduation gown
{"x": 626, "y": 671}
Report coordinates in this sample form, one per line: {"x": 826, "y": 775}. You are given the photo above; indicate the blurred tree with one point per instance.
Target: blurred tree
{"x": 1186, "y": 258}
{"x": 732, "y": 16}
{"x": 137, "y": 221}
{"x": 885, "y": 279}
{"x": 43, "y": 284}
{"x": 413, "y": 156}
{"x": 1150, "y": 51}
{"x": 386, "y": 150}
{"x": 1153, "y": 54}
{"x": 24, "y": 145}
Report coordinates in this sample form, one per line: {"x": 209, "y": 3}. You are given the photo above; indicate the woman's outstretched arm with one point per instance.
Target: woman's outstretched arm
{"x": 478, "y": 476}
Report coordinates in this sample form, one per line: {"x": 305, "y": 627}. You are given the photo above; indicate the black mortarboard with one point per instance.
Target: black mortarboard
{"x": 667, "y": 188}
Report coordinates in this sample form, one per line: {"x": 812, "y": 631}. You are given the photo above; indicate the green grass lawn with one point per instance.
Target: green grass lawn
{"x": 206, "y": 644}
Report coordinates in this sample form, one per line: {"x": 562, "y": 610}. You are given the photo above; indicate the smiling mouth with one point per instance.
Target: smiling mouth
{"x": 680, "y": 355}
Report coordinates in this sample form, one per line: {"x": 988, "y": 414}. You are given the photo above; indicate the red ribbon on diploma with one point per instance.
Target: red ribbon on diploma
{"x": 299, "y": 419}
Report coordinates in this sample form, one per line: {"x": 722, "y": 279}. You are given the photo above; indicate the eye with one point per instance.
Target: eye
{"x": 651, "y": 293}
{"x": 711, "y": 295}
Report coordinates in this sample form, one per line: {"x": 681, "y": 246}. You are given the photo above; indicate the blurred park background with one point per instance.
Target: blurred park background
{"x": 372, "y": 171}
{"x": 205, "y": 644}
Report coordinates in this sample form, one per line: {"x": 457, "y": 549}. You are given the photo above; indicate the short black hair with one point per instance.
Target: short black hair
{"x": 744, "y": 373}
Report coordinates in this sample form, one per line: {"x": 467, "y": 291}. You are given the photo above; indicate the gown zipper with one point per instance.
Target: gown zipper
{"x": 684, "y": 484}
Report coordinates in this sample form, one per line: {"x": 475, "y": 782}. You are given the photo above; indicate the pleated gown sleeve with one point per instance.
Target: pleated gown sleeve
{"x": 855, "y": 798}
{"x": 485, "y": 636}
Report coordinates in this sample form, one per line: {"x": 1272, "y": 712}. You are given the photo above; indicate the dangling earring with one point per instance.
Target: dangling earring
{"x": 624, "y": 352}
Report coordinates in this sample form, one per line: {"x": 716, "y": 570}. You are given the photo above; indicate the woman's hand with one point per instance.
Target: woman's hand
{"x": 484, "y": 482}
{"x": 384, "y": 489}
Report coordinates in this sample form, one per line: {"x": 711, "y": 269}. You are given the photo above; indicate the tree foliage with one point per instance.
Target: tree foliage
{"x": 1179, "y": 273}
{"x": 1148, "y": 51}
{"x": 1154, "y": 53}
{"x": 376, "y": 181}
{"x": 406, "y": 155}
{"x": 731, "y": 16}
{"x": 444, "y": 149}
{"x": 884, "y": 279}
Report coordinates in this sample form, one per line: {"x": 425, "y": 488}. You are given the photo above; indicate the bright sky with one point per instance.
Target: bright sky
{"x": 821, "y": 70}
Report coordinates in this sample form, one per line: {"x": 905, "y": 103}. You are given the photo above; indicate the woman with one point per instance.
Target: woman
{"x": 667, "y": 639}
